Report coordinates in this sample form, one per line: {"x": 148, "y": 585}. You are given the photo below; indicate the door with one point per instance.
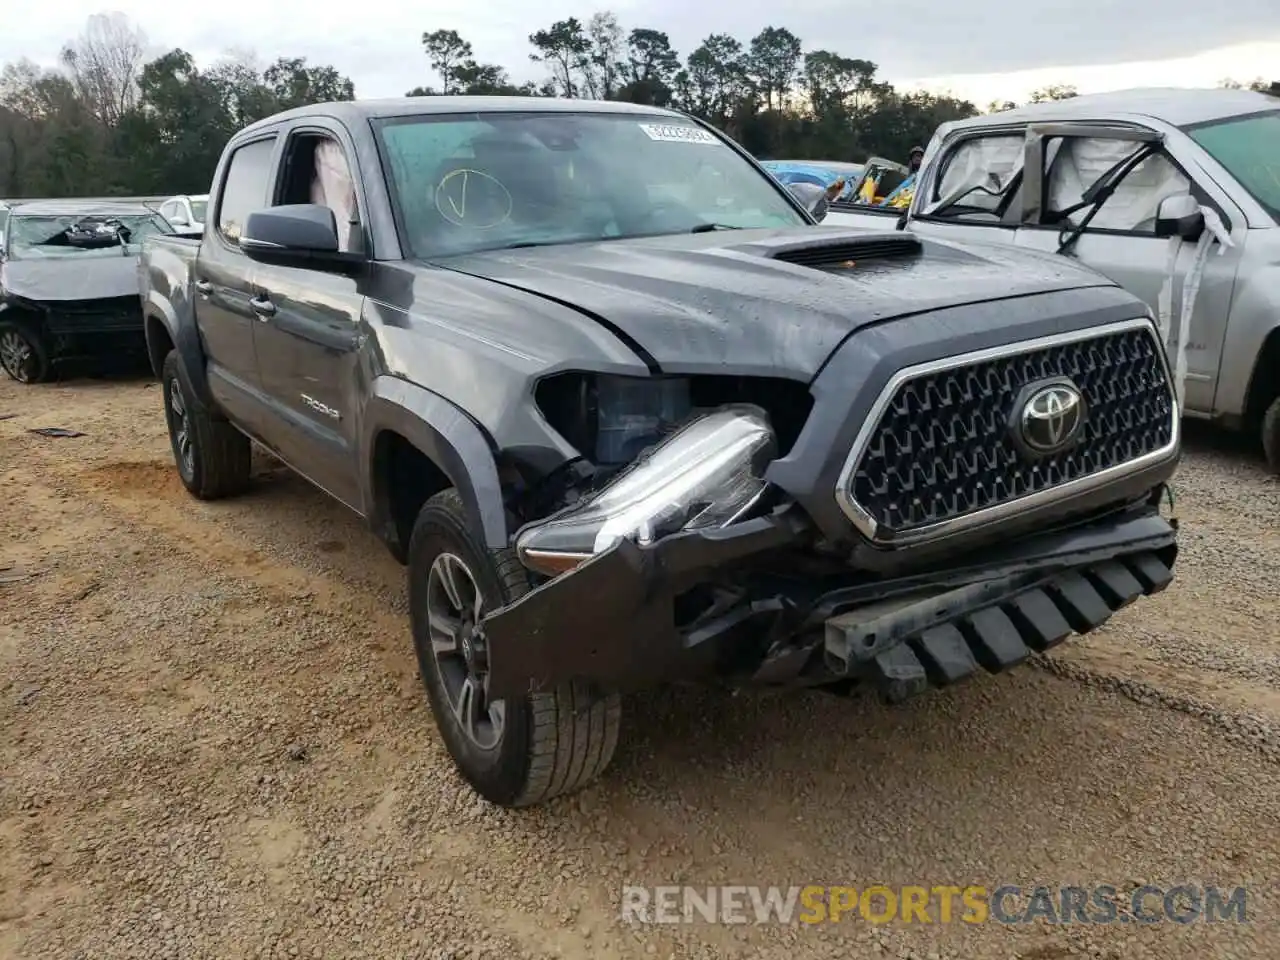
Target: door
{"x": 223, "y": 278}
{"x": 307, "y": 326}
{"x": 1119, "y": 238}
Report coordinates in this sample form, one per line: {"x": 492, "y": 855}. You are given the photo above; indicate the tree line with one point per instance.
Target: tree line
{"x": 109, "y": 121}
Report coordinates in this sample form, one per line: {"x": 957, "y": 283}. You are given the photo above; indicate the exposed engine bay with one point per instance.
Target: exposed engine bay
{"x": 612, "y": 420}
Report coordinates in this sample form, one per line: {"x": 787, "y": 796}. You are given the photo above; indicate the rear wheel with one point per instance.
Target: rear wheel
{"x": 514, "y": 752}
{"x": 22, "y": 353}
{"x": 213, "y": 457}
{"x": 1271, "y": 436}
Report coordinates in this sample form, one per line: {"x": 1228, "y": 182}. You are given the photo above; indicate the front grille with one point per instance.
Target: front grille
{"x": 942, "y": 448}
{"x": 95, "y": 316}
{"x": 103, "y": 306}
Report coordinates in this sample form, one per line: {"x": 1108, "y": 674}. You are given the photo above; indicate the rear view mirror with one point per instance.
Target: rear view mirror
{"x": 812, "y": 197}
{"x": 1179, "y": 216}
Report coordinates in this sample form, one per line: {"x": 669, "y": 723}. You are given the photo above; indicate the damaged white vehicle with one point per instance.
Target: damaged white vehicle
{"x": 1174, "y": 194}
{"x": 69, "y": 283}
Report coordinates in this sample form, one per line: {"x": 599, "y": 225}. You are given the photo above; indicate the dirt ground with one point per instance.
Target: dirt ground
{"x": 213, "y": 744}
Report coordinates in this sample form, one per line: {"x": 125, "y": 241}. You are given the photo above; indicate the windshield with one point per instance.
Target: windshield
{"x": 489, "y": 181}
{"x": 33, "y": 238}
{"x": 1249, "y": 147}
{"x": 198, "y": 208}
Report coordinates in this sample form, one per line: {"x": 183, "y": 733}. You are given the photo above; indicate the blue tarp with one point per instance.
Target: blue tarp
{"x": 814, "y": 171}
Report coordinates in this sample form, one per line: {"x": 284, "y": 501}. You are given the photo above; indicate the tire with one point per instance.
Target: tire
{"x": 23, "y": 354}
{"x": 1271, "y": 436}
{"x": 547, "y": 744}
{"x": 213, "y": 457}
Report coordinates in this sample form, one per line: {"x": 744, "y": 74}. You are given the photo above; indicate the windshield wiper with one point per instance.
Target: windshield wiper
{"x": 1099, "y": 192}
{"x": 526, "y": 244}
{"x": 709, "y": 227}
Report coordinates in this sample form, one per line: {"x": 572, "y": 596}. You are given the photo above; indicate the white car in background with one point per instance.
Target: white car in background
{"x": 186, "y": 212}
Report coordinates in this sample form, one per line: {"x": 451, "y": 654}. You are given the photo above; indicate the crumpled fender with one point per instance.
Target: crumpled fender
{"x": 611, "y": 619}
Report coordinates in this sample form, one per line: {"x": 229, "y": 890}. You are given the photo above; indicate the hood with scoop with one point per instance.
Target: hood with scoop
{"x": 766, "y": 301}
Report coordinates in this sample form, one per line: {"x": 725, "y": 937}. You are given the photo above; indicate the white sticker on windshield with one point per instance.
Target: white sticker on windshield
{"x": 677, "y": 133}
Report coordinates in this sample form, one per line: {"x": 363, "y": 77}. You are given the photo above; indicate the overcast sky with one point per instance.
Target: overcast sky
{"x": 1012, "y": 47}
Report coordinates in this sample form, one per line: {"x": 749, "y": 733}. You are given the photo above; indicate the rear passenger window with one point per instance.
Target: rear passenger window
{"x": 247, "y": 187}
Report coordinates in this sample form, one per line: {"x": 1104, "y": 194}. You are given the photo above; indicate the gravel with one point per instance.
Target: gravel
{"x": 213, "y": 744}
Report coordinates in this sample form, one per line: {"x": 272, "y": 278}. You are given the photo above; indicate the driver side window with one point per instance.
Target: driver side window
{"x": 1076, "y": 163}
{"x": 978, "y": 177}
{"x": 316, "y": 171}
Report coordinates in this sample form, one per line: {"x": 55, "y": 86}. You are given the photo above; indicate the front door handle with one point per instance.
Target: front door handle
{"x": 263, "y": 307}
{"x": 204, "y": 287}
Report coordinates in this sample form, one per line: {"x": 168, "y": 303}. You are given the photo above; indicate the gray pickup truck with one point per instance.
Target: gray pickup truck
{"x": 630, "y": 417}
{"x": 1121, "y": 181}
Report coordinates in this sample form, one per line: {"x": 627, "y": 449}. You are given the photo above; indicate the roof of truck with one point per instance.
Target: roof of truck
{"x": 359, "y": 110}
{"x": 1174, "y": 105}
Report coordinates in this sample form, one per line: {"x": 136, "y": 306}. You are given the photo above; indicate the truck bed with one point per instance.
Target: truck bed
{"x": 164, "y": 269}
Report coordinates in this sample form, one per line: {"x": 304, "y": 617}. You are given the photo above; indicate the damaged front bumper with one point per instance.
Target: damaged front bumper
{"x": 614, "y": 619}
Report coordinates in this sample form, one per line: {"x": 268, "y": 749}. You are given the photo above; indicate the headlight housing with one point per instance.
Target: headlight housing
{"x": 706, "y": 474}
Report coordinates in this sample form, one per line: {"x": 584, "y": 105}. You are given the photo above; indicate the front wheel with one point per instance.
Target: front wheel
{"x": 1271, "y": 436}
{"x": 514, "y": 752}
{"x": 22, "y": 353}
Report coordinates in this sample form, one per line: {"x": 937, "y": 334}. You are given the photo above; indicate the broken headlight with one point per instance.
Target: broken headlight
{"x": 707, "y": 474}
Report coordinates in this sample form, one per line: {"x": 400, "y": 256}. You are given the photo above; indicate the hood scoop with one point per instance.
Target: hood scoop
{"x": 845, "y": 252}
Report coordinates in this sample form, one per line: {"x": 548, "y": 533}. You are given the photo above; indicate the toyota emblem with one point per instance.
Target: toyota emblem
{"x": 1051, "y": 417}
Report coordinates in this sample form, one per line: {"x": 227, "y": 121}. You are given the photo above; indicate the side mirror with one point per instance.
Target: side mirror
{"x": 1179, "y": 216}
{"x": 180, "y": 220}
{"x": 812, "y": 197}
{"x": 292, "y": 233}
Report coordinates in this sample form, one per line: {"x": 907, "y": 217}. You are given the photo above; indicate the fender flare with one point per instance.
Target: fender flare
{"x": 186, "y": 340}
{"x": 1260, "y": 373}
{"x": 448, "y": 438}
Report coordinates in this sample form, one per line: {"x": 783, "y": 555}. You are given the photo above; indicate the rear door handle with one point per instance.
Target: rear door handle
{"x": 204, "y": 287}
{"x": 263, "y": 307}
